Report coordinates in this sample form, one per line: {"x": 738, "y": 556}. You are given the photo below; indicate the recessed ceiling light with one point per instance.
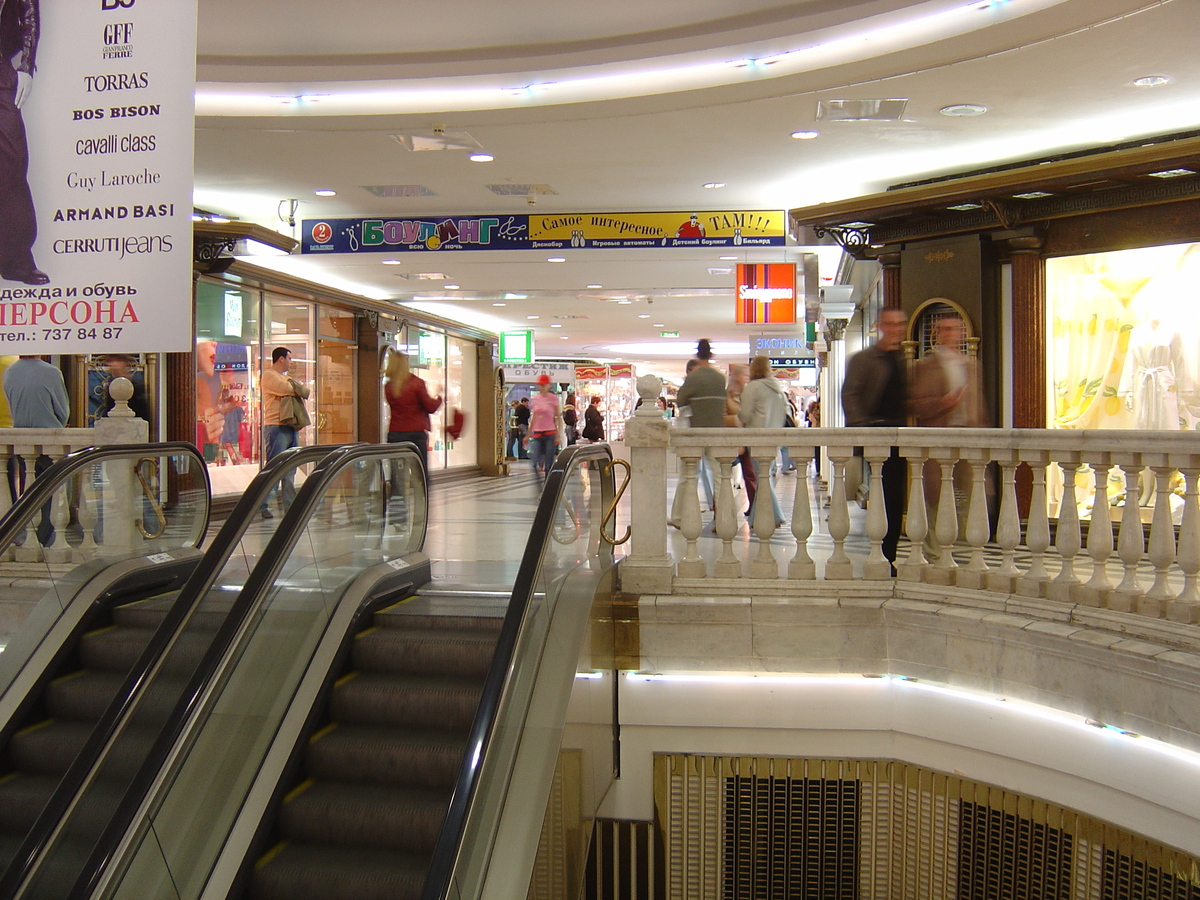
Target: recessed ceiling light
{"x": 481, "y": 157}
{"x": 325, "y": 193}
{"x": 1032, "y": 195}
{"x": 720, "y": 270}
{"x": 805, "y": 135}
{"x": 659, "y": 324}
{"x": 1172, "y": 173}
{"x": 963, "y": 207}
{"x": 533, "y": 317}
{"x": 595, "y": 287}
{"x": 713, "y": 185}
{"x": 962, "y": 110}
{"x": 510, "y": 296}
{"x": 557, "y": 259}
{"x": 858, "y": 224}
{"x": 643, "y": 315}
{"x": 1151, "y": 80}
{"x": 564, "y": 338}
{"x": 391, "y": 262}
{"x": 728, "y": 258}
{"x": 498, "y": 303}
{"x": 556, "y": 325}
{"x": 450, "y": 287}
{"x": 431, "y": 276}
{"x": 624, "y": 302}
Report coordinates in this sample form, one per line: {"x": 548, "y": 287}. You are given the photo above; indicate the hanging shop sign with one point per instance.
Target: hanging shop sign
{"x": 516, "y": 346}
{"x": 559, "y": 372}
{"x": 104, "y": 110}
{"x": 561, "y": 231}
{"x": 779, "y": 345}
{"x": 765, "y": 294}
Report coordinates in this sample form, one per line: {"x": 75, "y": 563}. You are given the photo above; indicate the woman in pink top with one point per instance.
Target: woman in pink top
{"x": 543, "y": 428}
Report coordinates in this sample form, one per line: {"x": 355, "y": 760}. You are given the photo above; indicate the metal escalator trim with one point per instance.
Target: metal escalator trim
{"x": 189, "y": 597}
{"x": 332, "y": 461}
{"x": 437, "y": 884}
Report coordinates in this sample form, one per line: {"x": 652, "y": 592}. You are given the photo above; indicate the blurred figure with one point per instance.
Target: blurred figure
{"x": 946, "y": 390}
{"x": 571, "y": 421}
{"x": 410, "y": 403}
{"x": 37, "y": 398}
{"x": 763, "y": 405}
{"x": 120, "y": 366}
{"x": 875, "y": 394}
{"x": 739, "y": 376}
{"x": 543, "y": 429}
{"x": 701, "y": 404}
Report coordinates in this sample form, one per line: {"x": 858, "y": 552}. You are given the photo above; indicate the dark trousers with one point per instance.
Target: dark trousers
{"x": 18, "y": 227}
{"x": 17, "y": 485}
{"x": 419, "y": 440}
{"x": 895, "y": 482}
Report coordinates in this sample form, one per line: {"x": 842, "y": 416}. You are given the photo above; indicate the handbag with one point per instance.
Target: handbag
{"x": 292, "y": 412}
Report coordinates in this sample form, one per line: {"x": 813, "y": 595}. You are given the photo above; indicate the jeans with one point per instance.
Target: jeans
{"x": 420, "y": 442}
{"x": 279, "y": 438}
{"x": 542, "y": 451}
{"x": 774, "y": 499}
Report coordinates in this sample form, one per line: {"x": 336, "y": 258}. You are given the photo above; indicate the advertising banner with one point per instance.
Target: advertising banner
{"x": 96, "y": 120}
{"x": 561, "y": 231}
{"x": 765, "y": 294}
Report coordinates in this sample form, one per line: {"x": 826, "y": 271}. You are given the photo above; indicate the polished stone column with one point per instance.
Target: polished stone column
{"x": 890, "y": 262}
{"x": 1028, "y": 333}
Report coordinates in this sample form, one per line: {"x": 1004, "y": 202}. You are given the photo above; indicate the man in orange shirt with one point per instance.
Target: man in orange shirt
{"x": 277, "y": 438}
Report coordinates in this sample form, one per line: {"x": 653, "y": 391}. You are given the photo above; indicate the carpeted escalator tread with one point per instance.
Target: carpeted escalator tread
{"x": 432, "y": 651}
{"x": 444, "y": 701}
{"x": 49, "y": 747}
{"x": 297, "y": 871}
{"x": 421, "y": 757}
{"x": 338, "y": 814}
{"x": 22, "y": 798}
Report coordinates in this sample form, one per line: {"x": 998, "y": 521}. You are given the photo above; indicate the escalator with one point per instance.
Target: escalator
{"x": 108, "y": 590}
{"x": 350, "y": 745}
{"x": 139, "y": 515}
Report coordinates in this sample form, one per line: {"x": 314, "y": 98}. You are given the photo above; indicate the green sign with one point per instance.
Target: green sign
{"x": 669, "y": 334}
{"x": 516, "y": 347}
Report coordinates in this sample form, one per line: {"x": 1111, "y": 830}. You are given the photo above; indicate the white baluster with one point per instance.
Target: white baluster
{"x": 877, "y": 567}
{"x": 1008, "y": 532}
{"x": 802, "y": 566}
{"x": 88, "y": 505}
{"x": 57, "y": 550}
{"x": 974, "y": 574}
{"x": 764, "y": 564}
{"x": 692, "y": 564}
{"x": 1037, "y": 536}
{"x": 1067, "y": 539}
{"x": 945, "y": 525}
{"x": 916, "y": 523}
{"x": 1131, "y": 544}
{"x": 28, "y": 548}
{"x": 838, "y": 567}
{"x": 1186, "y": 607}
{"x": 1099, "y": 588}
{"x": 726, "y": 518}
{"x": 1162, "y": 546}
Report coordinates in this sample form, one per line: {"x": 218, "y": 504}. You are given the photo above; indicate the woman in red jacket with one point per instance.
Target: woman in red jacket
{"x": 410, "y": 403}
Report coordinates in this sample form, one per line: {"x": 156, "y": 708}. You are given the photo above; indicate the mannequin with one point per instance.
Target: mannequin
{"x": 1155, "y": 375}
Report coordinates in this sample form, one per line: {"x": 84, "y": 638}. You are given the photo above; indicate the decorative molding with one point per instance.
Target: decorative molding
{"x": 836, "y": 329}
{"x": 855, "y": 241}
{"x": 939, "y": 256}
{"x": 207, "y": 247}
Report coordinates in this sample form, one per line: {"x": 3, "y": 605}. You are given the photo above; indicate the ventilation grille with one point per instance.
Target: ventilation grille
{"x": 790, "y": 839}
{"x": 436, "y": 139}
{"x": 861, "y": 110}
{"x": 1001, "y": 854}
{"x": 1130, "y": 879}
{"x": 910, "y": 834}
{"x": 398, "y": 190}
{"x": 520, "y": 190}
{"x": 620, "y": 862}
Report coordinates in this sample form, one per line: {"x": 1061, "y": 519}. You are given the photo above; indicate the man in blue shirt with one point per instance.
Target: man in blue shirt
{"x": 37, "y": 397}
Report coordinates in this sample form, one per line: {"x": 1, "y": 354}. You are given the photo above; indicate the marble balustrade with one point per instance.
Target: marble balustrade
{"x": 998, "y": 550}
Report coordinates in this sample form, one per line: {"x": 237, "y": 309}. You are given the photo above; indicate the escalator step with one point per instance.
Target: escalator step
{"x": 117, "y": 648}
{"x": 83, "y": 694}
{"x": 49, "y": 747}
{"x": 424, "y": 757}
{"x": 426, "y": 651}
{"x": 364, "y": 815}
{"x": 22, "y": 798}
{"x": 402, "y": 619}
{"x": 304, "y": 872}
{"x": 441, "y": 701}
{"x": 150, "y": 613}
{"x": 9, "y": 845}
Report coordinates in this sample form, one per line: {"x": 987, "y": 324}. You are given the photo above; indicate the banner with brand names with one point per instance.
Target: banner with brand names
{"x": 559, "y": 231}
{"x": 105, "y": 91}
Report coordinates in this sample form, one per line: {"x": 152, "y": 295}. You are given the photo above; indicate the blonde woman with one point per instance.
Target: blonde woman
{"x": 410, "y": 403}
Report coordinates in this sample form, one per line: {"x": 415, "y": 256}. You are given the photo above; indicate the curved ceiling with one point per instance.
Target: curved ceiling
{"x": 1053, "y": 74}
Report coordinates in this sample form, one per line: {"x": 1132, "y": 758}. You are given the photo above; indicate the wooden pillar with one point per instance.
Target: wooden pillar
{"x": 891, "y": 280}
{"x": 181, "y": 397}
{"x": 1029, "y": 332}
{"x": 1028, "y": 348}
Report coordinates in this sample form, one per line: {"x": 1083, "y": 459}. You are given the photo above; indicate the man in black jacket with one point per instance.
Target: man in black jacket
{"x": 19, "y": 29}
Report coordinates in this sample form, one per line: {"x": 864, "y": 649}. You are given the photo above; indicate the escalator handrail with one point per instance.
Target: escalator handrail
{"x": 254, "y": 592}
{"x": 193, "y": 590}
{"x": 446, "y": 850}
{"x": 41, "y": 490}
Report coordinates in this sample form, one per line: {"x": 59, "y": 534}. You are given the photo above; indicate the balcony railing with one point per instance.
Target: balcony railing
{"x": 1032, "y": 547}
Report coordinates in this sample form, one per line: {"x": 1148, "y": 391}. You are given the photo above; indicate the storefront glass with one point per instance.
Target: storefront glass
{"x": 1124, "y": 339}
